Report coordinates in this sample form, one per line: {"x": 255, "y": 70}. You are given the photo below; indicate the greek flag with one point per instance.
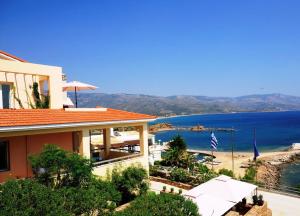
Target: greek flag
{"x": 213, "y": 141}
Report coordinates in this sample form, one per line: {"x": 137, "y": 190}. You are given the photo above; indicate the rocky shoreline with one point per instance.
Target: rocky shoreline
{"x": 270, "y": 169}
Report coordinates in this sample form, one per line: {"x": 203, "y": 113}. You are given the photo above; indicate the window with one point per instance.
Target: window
{"x": 5, "y": 96}
{"x": 4, "y": 156}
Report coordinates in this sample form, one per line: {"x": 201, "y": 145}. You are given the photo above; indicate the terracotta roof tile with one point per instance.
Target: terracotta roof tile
{"x": 33, "y": 117}
{"x": 12, "y": 56}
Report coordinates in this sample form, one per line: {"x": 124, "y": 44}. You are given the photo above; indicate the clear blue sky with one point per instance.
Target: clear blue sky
{"x": 214, "y": 48}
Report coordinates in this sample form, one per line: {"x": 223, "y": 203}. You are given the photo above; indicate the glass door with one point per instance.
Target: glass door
{"x": 5, "y": 96}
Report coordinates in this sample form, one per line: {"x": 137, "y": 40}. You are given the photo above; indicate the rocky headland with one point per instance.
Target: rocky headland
{"x": 198, "y": 128}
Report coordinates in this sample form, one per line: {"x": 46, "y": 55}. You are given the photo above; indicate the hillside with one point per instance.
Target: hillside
{"x": 186, "y": 104}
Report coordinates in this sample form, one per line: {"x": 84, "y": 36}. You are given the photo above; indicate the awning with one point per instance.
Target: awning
{"x": 223, "y": 192}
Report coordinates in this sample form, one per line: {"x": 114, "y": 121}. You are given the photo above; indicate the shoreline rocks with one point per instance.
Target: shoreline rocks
{"x": 198, "y": 128}
{"x": 270, "y": 171}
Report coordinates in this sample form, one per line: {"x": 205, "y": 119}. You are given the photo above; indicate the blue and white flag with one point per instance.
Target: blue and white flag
{"x": 213, "y": 141}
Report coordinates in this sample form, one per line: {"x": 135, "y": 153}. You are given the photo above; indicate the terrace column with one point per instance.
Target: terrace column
{"x": 107, "y": 141}
{"x": 143, "y": 132}
{"x": 86, "y": 148}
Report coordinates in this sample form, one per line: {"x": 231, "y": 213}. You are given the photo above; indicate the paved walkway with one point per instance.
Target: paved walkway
{"x": 282, "y": 205}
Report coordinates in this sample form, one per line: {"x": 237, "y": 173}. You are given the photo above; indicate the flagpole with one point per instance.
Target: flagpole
{"x": 212, "y": 161}
{"x": 232, "y": 144}
{"x": 255, "y": 161}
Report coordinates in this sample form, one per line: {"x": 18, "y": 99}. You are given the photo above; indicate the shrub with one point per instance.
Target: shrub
{"x": 29, "y": 198}
{"x": 56, "y": 167}
{"x": 162, "y": 204}
{"x": 204, "y": 177}
{"x": 180, "y": 175}
{"x": 250, "y": 174}
{"x": 154, "y": 170}
{"x": 131, "y": 182}
{"x": 202, "y": 168}
{"x": 98, "y": 197}
{"x": 226, "y": 172}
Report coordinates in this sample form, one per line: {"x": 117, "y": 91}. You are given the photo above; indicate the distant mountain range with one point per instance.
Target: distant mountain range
{"x": 188, "y": 104}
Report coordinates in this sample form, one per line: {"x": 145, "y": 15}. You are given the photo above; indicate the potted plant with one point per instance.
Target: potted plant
{"x": 260, "y": 201}
{"x": 172, "y": 190}
{"x": 164, "y": 189}
{"x": 255, "y": 199}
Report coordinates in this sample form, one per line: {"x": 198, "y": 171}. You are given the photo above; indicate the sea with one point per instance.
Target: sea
{"x": 274, "y": 131}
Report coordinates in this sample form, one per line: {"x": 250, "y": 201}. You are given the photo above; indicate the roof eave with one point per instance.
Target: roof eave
{"x": 68, "y": 125}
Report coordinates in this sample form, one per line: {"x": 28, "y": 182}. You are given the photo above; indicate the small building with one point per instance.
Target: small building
{"x": 24, "y": 131}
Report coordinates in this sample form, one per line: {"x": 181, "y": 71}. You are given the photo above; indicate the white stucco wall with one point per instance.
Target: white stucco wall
{"x": 22, "y": 75}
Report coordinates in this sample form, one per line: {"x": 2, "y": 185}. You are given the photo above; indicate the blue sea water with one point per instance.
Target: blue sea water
{"x": 274, "y": 130}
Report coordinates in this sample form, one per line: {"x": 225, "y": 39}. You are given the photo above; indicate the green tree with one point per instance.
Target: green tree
{"x": 56, "y": 167}
{"x": 177, "y": 155}
{"x": 131, "y": 182}
{"x": 178, "y": 143}
{"x": 162, "y": 204}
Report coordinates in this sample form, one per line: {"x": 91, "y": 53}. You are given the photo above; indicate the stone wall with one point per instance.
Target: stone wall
{"x": 259, "y": 210}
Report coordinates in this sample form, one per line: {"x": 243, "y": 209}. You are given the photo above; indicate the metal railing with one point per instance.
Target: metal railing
{"x": 113, "y": 160}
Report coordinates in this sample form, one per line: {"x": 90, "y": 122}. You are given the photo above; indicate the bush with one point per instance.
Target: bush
{"x": 202, "y": 168}
{"x": 204, "y": 177}
{"x": 131, "y": 182}
{"x": 226, "y": 172}
{"x": 162, "y": 204}
{"x": 250, "y": 174}
{"x": 180, "y": 175}
{"x": 91, "y": 200}
{"x": 56, "y": 167}
{"x": 30, "y": 198}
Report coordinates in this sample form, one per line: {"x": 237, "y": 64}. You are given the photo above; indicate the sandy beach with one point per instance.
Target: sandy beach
{"x": 241, "y": 159}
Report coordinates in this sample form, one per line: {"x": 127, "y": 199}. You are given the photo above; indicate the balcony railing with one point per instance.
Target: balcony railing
{"x": 113, "y": 160}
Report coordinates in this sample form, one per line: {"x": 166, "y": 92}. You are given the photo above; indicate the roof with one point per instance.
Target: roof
{"x": 7, "y": 56}
{"x": 10, "y": 118}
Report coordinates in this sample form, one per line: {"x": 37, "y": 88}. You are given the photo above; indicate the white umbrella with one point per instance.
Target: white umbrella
{"x": 77, "y": 86}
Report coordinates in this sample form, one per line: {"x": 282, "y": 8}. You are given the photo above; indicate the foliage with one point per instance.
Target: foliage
{"x": 178, "y": 143}
{"x": 162, "y": 204}
{"x": 204, "y": 177}
{"x": 250, "y": 174}
{"x": 96, "y": 198}
{"x": 40, "y": 101}
{"x": 56, "y": 167}
{"x": 201, "y": 168}
{"x": 226, "y": 172}
{"x": 16, "y": 98}
{"x": 180, "y": 175}
{"x": 177, "y": 155}
{"x": 154, "y": 170}
{"x": 29, "y": 198}
{"x": 130, "y": 182}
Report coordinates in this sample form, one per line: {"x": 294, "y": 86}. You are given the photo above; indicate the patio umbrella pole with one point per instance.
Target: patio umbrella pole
{"x": 75, "y": 96}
